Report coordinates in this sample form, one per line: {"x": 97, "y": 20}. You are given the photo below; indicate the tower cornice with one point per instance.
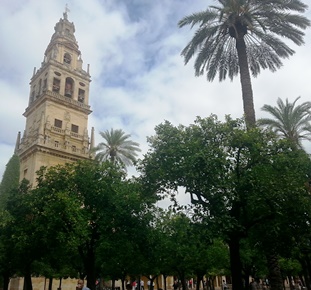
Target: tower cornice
{"x": 49, "y": 96}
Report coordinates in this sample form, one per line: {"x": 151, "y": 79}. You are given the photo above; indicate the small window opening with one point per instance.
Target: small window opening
{"x": 58, "y": 123}
{"x": 75, "y": 128}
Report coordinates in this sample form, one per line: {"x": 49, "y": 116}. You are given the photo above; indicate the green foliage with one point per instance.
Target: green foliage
{"x": 82, "y": 218}
{"x": 123, "y": 249}
{"x": 217, "y": 257}
{"x": 241, "y": 178}
{"x": 76, "y": 202}
{"x": 19, "y": 244}
{"x": 232, "y": 172}
{"x": 10, "y": 180}
{"x": 187, "y": 248}
{"x": 290, "y": 267}
{"x": 8, "y": 186}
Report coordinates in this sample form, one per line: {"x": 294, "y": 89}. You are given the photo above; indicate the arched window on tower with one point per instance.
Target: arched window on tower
{"x": 69, "y": 87}
{"x": 67, "y": 58}
{"x": 56, "y": 85}
{"x": 81, "y": 95}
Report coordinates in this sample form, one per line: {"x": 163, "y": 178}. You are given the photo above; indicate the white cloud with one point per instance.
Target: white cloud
{"x": 138, "y": 76}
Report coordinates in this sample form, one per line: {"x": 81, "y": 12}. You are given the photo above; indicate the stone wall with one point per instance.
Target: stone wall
{"x": 41, "y": 283}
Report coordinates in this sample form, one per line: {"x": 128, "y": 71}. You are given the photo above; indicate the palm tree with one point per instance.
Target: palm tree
{"x": 289, "y": 121}
{"x": 117, "y": 148}
{"x": 292, "y": 122}
{"x": 243, "y": 36}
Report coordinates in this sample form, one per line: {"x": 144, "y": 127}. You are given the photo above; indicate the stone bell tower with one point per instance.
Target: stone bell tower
{"x": 57, "y": 114}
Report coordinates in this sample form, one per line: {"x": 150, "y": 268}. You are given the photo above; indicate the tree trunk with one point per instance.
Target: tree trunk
{"x": 235, "y": 262}
{"x": 164, "y": 280}
{"x": 6, "y": 281}
{"x": 50, "y": 283}
{"x": 307, "y": 259}
{"x": 122, "y": 282}
{"x": 113, "y": 284}
{"x": 275, "y": 277}
{"x": 89, "y": 268}
{"x": 27, "y": 282}
{"x": 60, "y": 283}
{"x": 305, "y": 264}
{"x": 199, "y": 279}
{"x": 245, "y": 79}
{"x": 210, "y": 283}
{"x": 246, "y": 280}
{"x": 91, "y": 280}
{"x": 183, "y": 281}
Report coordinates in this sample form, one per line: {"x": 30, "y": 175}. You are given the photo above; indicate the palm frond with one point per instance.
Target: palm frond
{"x": 117, "y": 147}
{"x": 289, "y": 120}
{"x": 266, "y": 21}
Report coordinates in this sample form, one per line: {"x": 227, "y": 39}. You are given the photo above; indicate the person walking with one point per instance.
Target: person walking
{"x": 142, "y": 285}
{"x": 254, "y": 285}
{"x": 224, "y": 285}
{"x": 80, "y": 285}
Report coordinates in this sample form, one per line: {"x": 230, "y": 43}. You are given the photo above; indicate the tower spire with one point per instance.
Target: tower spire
{"x": 92, "y": 143}
{"x": 18, "y": 142}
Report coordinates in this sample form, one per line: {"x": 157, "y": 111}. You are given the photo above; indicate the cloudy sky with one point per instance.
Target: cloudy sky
{"x": 138, "y": 76}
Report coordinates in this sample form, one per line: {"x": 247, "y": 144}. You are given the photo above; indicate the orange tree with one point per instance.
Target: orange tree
{"x": 239, "y": 177}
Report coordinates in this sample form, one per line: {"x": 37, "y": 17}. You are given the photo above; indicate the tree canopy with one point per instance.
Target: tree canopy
{"x": 241, "y": 178}
{"x": 10, "y": 179}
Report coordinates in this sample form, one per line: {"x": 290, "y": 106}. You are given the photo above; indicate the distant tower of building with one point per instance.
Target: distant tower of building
{"x": 57, "y": 114}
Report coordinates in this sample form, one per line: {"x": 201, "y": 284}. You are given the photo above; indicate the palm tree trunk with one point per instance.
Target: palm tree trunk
{"x": 247, "y": 91}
